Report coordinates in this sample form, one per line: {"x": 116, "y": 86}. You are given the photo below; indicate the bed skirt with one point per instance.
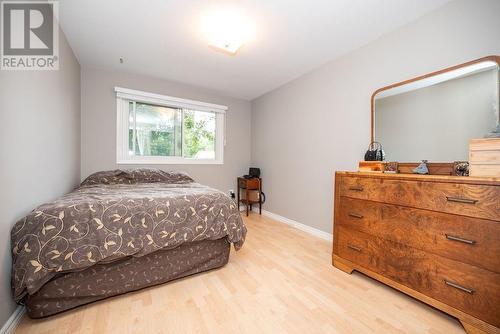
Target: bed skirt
{"x": 106, "y": 280}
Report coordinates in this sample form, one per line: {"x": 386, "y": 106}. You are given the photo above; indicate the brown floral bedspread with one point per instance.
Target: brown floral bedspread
{"x": 114, "y": 215}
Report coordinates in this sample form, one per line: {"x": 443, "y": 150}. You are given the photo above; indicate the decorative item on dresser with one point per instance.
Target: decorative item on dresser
{"x": 391, "y": 167}
{"x": 435, "y": 238}
{"x": 421, "y": 168}
{"x": 461, "y": 168}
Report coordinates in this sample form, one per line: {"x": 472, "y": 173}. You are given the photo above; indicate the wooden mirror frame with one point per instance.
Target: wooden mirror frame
{"x": 495, "y": 59}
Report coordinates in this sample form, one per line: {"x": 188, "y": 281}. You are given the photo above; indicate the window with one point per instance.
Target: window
{"x": 158, "y": 129}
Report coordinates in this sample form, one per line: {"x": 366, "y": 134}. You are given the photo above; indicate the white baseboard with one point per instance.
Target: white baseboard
{"x": 11, "y": 324}
{"x": 294, "y": 224}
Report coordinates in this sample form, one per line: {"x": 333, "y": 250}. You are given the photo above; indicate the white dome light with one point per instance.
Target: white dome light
{"x": 227, "y": 30}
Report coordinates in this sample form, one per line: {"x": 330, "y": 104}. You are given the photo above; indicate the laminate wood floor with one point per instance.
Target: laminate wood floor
{"x": 282, "y": 281}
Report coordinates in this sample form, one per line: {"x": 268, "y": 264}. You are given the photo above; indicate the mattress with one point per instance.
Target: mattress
{"x": 100, "y": 281}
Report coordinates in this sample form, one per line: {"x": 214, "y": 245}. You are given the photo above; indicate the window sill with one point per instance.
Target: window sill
{"x": 170, "y": 162}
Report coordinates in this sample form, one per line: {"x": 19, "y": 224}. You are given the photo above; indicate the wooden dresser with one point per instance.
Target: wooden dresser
{"x": 435, "y": 238}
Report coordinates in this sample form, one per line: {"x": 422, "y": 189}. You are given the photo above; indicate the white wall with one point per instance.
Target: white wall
{"x": 307, "y": 129}
{"x": 99, "y": 126}
{"x": 39, "y": 147}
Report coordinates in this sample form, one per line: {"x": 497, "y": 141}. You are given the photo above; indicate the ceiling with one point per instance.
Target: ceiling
{"x": 162, "y": 38}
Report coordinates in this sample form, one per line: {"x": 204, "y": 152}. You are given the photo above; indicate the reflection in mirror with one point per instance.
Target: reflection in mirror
{"x": 434, "y": 118}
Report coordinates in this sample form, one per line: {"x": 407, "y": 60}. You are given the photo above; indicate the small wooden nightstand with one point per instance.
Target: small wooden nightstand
{"x": 249, "y": 186}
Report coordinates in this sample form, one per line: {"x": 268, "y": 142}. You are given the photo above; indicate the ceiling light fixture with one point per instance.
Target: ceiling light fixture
{"x": 227, "y": 30}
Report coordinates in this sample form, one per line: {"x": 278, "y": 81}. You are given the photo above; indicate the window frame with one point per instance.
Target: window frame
{"x": 125, "y": 95}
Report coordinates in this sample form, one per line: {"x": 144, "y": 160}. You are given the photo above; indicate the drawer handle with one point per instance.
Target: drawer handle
{"x": 355, "y": 215}
{"x": 450, "y": 237}
{"x": 459, "y": 287}
{"x": 355, "y": 248}
{"x": 356, "y": 188}
{"x": 461, "y": 200}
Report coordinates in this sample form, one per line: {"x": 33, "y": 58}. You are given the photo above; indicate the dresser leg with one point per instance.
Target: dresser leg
{"x": 345, "y": 268}
{"x": 470, "y": 329}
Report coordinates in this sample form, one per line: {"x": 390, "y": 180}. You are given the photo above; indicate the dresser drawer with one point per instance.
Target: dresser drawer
{"x": 481, "y": 201}
{"x": 470, "y": 240}
{"x": 470, "y": 289}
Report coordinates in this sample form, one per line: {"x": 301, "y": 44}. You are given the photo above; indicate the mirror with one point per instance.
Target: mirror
{"x": 433, "y": 117}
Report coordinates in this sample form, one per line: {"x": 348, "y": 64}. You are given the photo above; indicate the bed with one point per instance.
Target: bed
{"x": 120, "y": 231}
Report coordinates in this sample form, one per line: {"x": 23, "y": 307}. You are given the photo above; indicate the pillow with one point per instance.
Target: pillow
{"x": 134, "y": 176}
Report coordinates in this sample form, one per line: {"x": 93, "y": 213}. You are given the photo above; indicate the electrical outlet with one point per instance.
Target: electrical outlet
{"x": 231, "y": 193}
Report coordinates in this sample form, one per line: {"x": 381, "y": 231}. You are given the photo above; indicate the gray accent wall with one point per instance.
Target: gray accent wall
{"x": 319, "y": 123}
{"x": 39, "y": 147}
{"x": 99, "y": 126}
